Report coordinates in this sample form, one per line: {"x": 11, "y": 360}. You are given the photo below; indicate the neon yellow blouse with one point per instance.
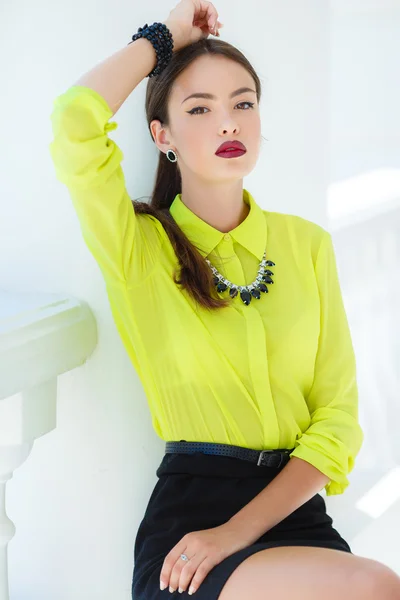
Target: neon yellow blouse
{"x": 279, "y": 373}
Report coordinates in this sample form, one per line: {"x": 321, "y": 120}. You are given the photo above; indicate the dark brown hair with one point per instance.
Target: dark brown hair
{"x": 195, "y": 275}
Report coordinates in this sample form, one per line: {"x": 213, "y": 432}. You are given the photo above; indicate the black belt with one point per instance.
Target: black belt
{"x": 263, "y": 458}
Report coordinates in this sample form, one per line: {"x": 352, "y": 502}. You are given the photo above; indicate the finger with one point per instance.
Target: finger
{"x": 201, "y": 22}
{"x": 201, "y": 573}
{"x": 183, "y": 572}
{"x": 211, "y": 14}
{"x": 216, "y": 30}
{"x": 170, "y": 562}
{"x": 189, "y": 570}
{"x": 176, "y": 571}
{"x": 206, "y": 27}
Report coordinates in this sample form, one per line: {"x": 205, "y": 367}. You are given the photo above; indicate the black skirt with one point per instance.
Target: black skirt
{"x": 200, "y": 491}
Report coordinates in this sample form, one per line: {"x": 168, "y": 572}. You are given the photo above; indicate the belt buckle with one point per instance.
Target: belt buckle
{"x": 260, "y": 458}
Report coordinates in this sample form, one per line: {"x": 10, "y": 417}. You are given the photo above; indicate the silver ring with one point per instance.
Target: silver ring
{"x": 184, "y": 557}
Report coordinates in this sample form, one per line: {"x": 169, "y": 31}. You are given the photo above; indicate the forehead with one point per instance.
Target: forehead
{"x": 215, "y": 74}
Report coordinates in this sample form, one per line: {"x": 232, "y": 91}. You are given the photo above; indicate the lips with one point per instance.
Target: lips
{"x": 231, "y": 146}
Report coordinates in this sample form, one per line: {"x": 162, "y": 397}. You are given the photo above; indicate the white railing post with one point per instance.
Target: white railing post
{"x": 11, "y": 457}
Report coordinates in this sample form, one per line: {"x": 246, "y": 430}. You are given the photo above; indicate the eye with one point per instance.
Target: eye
{"x": 194, "y": 110}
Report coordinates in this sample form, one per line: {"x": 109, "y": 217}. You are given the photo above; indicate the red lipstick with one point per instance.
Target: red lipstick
{"x": 231, "y": 149}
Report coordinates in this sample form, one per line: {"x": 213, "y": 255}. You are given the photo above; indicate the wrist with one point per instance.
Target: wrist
{"x": 243, "y": 529}
{"x": 176, "y": 32}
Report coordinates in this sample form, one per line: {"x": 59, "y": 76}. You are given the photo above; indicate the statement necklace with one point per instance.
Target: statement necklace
{"x": 247, "y": 292}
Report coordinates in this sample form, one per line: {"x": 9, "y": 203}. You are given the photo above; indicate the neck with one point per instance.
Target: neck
{"x": 221, "y": 206}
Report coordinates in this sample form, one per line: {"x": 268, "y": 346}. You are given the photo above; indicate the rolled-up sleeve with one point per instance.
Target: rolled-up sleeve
{"x": 334, "y": 436}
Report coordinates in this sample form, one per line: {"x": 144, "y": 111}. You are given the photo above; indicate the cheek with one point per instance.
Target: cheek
{"x": 255, "y": 125}
{"x": 194, "y": 142}
{"x": 190, "y": 133}
{"x": 255, "y": 134}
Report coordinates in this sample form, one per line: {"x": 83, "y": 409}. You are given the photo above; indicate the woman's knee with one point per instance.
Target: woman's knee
{"x": 377, "y": 580}
{"x": 305, "y": 573}
{"x": 311, "y": 573}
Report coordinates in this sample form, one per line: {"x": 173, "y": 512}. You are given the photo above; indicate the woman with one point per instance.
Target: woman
{"x": 250, "y": 382}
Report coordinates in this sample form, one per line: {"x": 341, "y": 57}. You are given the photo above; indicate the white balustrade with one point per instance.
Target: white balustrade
{"x": 41, "y": 336}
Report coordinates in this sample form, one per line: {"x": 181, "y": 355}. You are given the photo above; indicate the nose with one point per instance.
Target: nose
{"x": 229, "y": 127}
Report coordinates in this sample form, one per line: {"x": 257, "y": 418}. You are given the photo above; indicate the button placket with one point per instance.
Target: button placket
{"x": 258, "y": 363}
{"x": 256, "y": 345}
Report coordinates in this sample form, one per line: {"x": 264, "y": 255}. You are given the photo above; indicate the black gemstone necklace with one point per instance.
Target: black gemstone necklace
{"x": 247, "y": 292}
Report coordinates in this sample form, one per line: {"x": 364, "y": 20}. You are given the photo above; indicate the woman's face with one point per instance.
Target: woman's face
{"x": 195, "y": 137}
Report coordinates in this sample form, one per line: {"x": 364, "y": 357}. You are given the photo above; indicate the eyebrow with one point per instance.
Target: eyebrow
{"x": 207, "y": 96}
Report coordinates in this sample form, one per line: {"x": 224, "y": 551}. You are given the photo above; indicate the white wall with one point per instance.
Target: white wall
{"x": 364, "y": 203}
{"x": 365, "y": 116}
{"x": 80, "y": 496}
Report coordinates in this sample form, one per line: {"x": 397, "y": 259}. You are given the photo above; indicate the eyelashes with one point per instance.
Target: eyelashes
{"x": 193, "y": 111}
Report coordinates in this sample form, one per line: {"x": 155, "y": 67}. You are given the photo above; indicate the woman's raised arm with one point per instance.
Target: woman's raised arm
{"x": 125, "y": 245}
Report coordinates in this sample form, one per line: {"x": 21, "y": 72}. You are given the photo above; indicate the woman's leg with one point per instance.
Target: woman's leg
{"x": 309, "y": 573}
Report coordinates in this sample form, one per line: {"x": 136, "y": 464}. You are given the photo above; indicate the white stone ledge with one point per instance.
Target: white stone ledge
{"x": 41, "y": 336}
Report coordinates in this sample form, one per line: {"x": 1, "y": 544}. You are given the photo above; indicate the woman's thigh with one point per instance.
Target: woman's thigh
{"x": 310, "y": 573}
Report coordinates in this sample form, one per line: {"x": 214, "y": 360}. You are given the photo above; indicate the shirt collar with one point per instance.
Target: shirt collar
{"x": 250, "y": 233}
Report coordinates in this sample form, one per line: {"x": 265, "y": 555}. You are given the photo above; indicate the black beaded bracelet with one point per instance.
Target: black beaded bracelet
{"x": 161, "y": 38}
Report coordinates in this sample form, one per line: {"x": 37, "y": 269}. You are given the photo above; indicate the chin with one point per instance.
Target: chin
{"x": 238, "y": 165}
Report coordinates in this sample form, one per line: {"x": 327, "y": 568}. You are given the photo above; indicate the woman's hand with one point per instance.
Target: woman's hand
{"x": 205, "y": 549}
{"x": 192, "y": 20}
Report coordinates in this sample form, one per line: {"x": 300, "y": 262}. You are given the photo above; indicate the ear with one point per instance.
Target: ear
{"x": 160, "y": 135}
